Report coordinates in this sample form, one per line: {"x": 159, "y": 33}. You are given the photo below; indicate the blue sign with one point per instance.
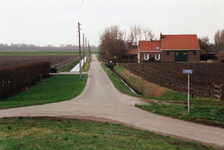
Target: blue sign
{"x": 188, "y": 71}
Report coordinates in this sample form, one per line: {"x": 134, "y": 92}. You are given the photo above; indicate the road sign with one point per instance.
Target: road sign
{"x": 187, "y": 71}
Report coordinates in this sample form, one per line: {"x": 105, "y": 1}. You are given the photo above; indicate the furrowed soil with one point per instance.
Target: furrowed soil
{"x": 170, "y": 75}
{"x": 57, "y": 61}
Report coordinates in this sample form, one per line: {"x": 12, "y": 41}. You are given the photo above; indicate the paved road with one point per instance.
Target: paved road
{"x": 101, "y": 100}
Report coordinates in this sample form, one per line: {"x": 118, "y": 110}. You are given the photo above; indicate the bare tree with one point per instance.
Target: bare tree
{"x": 204, "y": 42}
{"x": 136, "y": 33}
{"x": 112, "y": 44}
{"x": 148, "y": 34}
{"x": 219, "y": 37}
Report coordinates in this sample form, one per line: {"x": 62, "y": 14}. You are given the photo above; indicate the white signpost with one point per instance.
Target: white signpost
{"x": 187, "y": 71}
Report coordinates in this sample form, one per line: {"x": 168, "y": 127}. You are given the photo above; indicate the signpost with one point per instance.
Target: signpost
{"x": 187, "y": 71}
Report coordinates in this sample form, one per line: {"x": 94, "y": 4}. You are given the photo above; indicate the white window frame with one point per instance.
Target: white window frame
{"x": 157, "y": 56}
{"x": 146, "y": 56}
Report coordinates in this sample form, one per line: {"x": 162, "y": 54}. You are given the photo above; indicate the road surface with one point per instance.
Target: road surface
{"x": 100, "y": 101}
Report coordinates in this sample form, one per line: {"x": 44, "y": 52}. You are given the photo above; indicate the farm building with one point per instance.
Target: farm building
{"x": 132, "y": 50}
{"x": 178, "y": 48}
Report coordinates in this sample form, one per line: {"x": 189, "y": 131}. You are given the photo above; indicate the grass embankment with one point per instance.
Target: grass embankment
{"x": 174, "y": 104}
{"x": 55, "y": 89}
{"x": 22, "y": 133}
{"x": 39, "y": 53}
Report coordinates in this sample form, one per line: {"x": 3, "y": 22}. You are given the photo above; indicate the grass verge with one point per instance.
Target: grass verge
{"x": 23, "y": 133}
{"x": 55, "y": 89}
{"x": 174, "y": 104}
{"x": 209, "y": 115}
{"x": 86, "y": 66}
{"x": 116, "y": 81}
{"x": 70, "y": 66}
{"x": 99, "y": 58}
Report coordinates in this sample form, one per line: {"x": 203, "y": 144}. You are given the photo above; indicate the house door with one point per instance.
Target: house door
{"x": 181, "y": 56}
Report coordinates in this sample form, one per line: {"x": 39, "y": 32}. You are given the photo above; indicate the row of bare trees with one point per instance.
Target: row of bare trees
{"x": 138, "y": 33}
{"x": 113, "y": 40}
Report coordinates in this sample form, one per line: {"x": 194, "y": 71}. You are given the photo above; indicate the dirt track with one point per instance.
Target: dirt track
{"x": 102, "y": 102}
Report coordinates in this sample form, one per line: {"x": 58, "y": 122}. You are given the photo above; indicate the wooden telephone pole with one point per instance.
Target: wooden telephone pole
{"x": 83, "y": 49}
{"x": 80, "y": 71}
{"x": 88, "y": 48}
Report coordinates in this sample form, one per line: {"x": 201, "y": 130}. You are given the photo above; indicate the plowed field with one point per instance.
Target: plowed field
{"x": 171, "y": 75}
{"x": 57, "y": 61}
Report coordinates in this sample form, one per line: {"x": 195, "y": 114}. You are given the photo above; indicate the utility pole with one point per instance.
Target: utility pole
{"x": 83, "y": 49}
{"x": 86, "y": 50}
{"x": 80, "y": 71}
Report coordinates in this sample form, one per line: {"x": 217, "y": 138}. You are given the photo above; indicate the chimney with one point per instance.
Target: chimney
{"x": 151, "y": 40}
{"x": 161, "y": 35}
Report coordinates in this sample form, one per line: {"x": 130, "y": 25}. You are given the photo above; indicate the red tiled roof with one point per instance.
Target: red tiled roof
{"x": 132, "y": 51}
{"x": 180, "y": 42}
{"x": 149, "y": 46}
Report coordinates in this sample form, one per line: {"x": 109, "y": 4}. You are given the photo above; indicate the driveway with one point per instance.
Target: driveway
{"x": 100, "y": 101}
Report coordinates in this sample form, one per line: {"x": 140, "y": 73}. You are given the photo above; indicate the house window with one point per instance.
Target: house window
{"x": 157, "y": 56}
{"x": 157, "y": 47}
{"x": 194, "y": 52}
{"x": 168, "y": 53}
{"x": 146, "y": 56}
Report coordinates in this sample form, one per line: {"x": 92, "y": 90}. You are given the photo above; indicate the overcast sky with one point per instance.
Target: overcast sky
{"x": 54, "y": 22}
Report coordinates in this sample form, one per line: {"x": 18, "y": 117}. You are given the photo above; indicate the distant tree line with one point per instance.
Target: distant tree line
{"x": 31, "y": 47}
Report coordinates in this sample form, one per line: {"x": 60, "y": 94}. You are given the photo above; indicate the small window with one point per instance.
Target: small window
{"x": 194, "y": 52}
{"x": 168, "y": 53}
{"x": 157, "y": 56}
{"x": 185, "y": 53}
{"x": 146, "y": 56}
{"x": 157, "y": 47}
{"x": 177, "y": 53}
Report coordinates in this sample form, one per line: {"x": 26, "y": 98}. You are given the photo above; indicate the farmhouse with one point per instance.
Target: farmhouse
{"x": 178, "y": 48}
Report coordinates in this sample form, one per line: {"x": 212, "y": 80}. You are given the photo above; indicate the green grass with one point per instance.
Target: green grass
{"x": 39, "y": 53}
{"x": 99, "y": 58}
{"x": 86, "y": 68}
{"x": 116, "y": 81}
{"x": 198, "y": 113}
{"x": 70, "y": 66}
{"x": 55, "y": 89}
{"x": 23, "y": 133}
{"x": 202, "y": 110}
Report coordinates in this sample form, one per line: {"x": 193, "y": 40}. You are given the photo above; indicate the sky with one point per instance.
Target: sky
{"x": 55, "y": 22}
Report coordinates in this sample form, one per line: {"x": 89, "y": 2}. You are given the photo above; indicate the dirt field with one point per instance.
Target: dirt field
{"x": 171, "y": 75}
{"x": 57, "y": 61}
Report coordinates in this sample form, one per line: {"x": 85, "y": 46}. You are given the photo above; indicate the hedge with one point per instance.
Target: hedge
{"x": 15, "y": 77}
